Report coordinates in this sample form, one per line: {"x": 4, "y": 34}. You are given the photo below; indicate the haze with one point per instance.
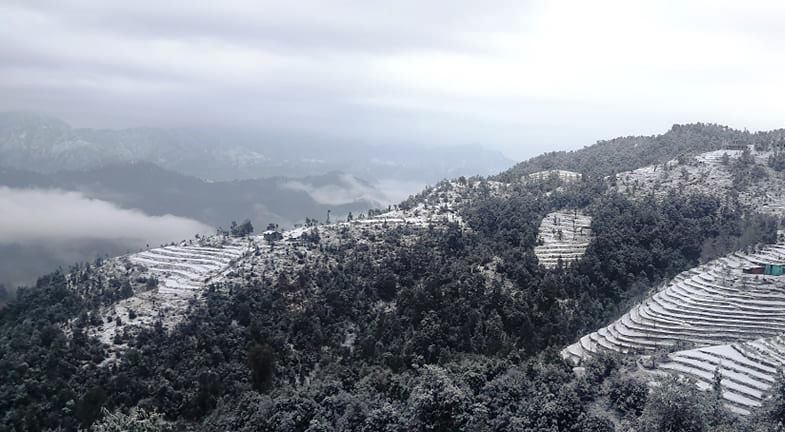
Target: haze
{"x": 79, "y": 217}
{"x": 41, "y": 230}
{"x": 520, "y": 77}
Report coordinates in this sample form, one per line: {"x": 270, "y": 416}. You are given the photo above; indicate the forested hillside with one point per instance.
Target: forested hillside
{"x": 436, "y": 316}
{"x": 628, "y": 153}
{"x": 431, "y": 329}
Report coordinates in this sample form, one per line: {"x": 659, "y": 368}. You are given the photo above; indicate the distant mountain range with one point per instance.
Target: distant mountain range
{"x": 43, "y": 144}
{"x": 209, "y": 176}
{"x": 156, "y": 191}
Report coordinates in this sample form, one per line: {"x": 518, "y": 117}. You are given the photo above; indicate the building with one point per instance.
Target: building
{"x": 753, "y": 270}
{"x": 774, "y": 269}
{"x": 766, "y": 269}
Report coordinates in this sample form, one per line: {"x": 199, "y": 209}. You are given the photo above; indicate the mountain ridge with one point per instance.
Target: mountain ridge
{"x": 155, "y": 192}
{"x": 39, "y": 143}
{"x": 434, "y": 315}
{"x": 620, "y": 154}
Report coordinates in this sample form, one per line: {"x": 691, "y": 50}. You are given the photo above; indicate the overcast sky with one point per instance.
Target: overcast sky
{"x": 521, "y": 77}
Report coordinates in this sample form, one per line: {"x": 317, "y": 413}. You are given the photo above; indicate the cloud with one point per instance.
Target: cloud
{"x": 348, "y": 189}
{"x": 37, "y": 216}
{"x": 521, "y": 76}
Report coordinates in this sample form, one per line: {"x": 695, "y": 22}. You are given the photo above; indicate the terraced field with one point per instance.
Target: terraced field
{"x": 563, "y": 235}
{"x": 182, "y": 271}
{"x": 734, "y": 319}
{"x": 187, "y": 267}
{"x": 748, "y": 369}
{"x": 567, "y": 176}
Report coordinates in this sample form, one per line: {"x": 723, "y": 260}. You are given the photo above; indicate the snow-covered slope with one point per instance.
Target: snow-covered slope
{"x": 712, "y": 304}
{"x": 709, "y": 173}
{"x": 564, "y": 175}
{"x": 747, "y": 370}
{"x": 563, "y": 235}
{"x": 714, "y": 316}
{"x": 181, "y": 272}
{"x": 715, "y": 307}
{"x": 186, "y": 268}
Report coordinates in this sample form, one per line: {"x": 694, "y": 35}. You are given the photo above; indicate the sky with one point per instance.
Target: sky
{"x": 520, "y": 77}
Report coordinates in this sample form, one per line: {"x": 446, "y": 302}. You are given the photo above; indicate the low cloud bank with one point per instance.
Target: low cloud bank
{"x": 349, "y": 189}
{"x": 41, "y": 230}
{"x": 35, "y": 215}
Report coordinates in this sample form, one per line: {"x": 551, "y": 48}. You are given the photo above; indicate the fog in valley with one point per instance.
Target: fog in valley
{"x": 196, "y": 174}
{"x": 59, "y": 228}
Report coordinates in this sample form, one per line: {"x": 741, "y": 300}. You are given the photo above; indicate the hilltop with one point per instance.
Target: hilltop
{"x": 629, "y": 153}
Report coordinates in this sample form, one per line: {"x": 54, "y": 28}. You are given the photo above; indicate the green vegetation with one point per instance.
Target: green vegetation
{"x": 242, "y": 230}
{"x": 777, "y": 160}
{"x": 745, "y": 170}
